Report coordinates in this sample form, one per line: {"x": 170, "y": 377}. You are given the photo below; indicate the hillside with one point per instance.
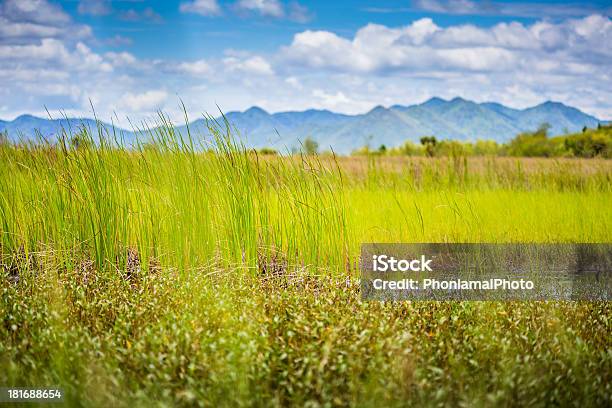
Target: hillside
{"x": 457, "y": 119}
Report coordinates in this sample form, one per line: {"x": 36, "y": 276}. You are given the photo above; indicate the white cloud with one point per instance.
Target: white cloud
{"x": 94, "y": 7}
{"x": 195, "y": 68}
{"x": 54, "y": 52}
{"x": 35, "y": 11}
{"x": 294, "y": 82}
{"x": 424, "y": 46}
{"x": 448, "y": 6}
{"x": 121, "y": 59}
{"x": 294, "y": 11}
{"x": 299, "y": 13}
{"x": 29, "y": 74}
{"x": 513, "y": 63}
{"x": 47, "y": 49}
{"x": 148, "y": 14}
{"x": 505, "y": 8}
{"x": 117, "y": 41}
{"x": 264, "y": 7}
{"x": 146, "y": 101}
{"x": 24, "y": 21}
{"x": 339, "y": 97}
{"x": 54, "y": 89}
{"x": 252, "y": 65}
{"x": 20, "y": 30}
{"x": 201, "y": 7}
{"x": 324, "y": 49}
{"x": 90, "y": 60}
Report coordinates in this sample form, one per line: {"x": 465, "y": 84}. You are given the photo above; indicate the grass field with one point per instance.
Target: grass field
{"x": 165, "y": 275}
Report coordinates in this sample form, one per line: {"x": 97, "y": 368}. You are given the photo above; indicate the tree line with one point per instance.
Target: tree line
{"x": 588, "y": 143}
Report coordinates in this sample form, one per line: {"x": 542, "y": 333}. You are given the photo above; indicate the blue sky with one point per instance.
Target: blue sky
{"x": 131, "y": 58}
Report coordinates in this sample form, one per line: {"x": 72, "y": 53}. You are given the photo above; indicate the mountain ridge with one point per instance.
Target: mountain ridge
{"x": 457, "y": 118}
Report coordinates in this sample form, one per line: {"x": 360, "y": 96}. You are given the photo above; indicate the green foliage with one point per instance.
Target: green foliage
{"x": 591, "y": 143}
{"x": 362, "y": 151}
{"x": 452, "y": 148}
{"x": 210, "y": 339}
{"x": 310, "y": 146}
{"x": 429, "y": 142}
{"x": 486, "y": 148}
{"x": 532, "y": 144}
{"x": 267, "y": 151}
{"x": 4, "y": 139}
{"x": 366, "y": 151}
{"x": 587, "y": 144}
{"x": 165, "y": 276}
{"x": 82, "y": 139}
{"x": 411, "y": 149}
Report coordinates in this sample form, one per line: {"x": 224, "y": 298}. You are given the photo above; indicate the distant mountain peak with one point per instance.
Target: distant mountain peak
{"x": 436, "y": 99}
{"x": 312, "y": 110}
{"x": 27, "y": 116}
{"x": 552, "y": 104}
{"x": 256, "y": 110}
{"x": 434, "y": 102}
{"x": 496, "y": 104}
{"x": 377, "y": 109}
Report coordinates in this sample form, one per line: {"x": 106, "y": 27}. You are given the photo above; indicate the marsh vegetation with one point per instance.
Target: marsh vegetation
{"x": 172, "y": 275}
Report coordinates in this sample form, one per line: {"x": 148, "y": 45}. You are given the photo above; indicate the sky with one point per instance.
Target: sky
{"x": 132, "y": 59}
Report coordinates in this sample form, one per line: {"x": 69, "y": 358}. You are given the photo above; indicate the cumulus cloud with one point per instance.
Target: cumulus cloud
{"x": 29, "y": 74}
{"x": 53, "y": 52}
{"x": 201, "y": 7}
{"x": 34, "y": 11}
{"x": 195, "y": 68}
{"x": 513, "y": 63}
{"x": 293, "y": 11}
{"x": 252, "y": 65}
{"x": 423, "y": 45}
{"x": 121, "y": 59}
{"x": 272, "y": 8}
{"x": 23, "y": 21}
{"x": 146, "y": 101}
{"x": 451, "y": 6}
{"x": 332, "y": 99}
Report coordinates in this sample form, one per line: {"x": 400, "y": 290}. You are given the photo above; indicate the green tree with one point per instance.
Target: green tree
{"x": 429, "y": 143}
{"x": 532, "y": 144}
{"x": 589, "y": 144}
{"x": 543, "y": 129}
{"x": 310, "y": 146}
{"x": 486, "y": 147}
{"x": 268, "y": 151}
{"x": 411, "y": 149}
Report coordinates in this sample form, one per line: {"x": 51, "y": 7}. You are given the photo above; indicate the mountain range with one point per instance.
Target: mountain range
{"x": 457, "y": 119}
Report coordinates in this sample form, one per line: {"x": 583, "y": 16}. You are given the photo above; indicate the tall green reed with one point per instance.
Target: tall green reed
{"x": 187, "y": 200}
